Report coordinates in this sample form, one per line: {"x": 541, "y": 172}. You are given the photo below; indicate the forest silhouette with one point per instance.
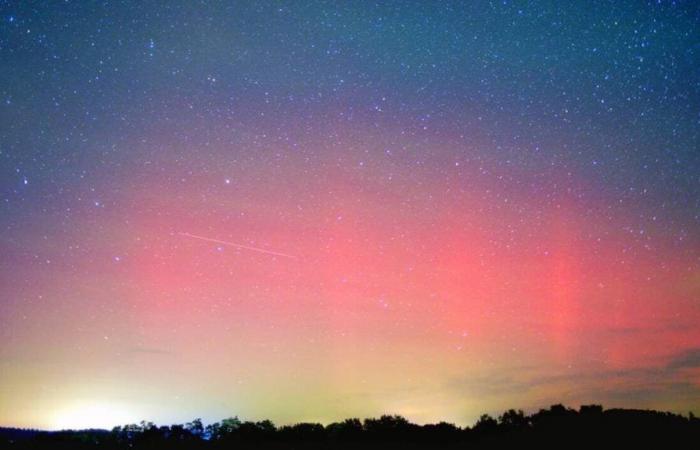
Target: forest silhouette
{"x": 557, "y": 426}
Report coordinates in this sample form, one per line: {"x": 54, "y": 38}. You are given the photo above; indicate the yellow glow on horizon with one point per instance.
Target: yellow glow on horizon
{"x": 93, "y": 415}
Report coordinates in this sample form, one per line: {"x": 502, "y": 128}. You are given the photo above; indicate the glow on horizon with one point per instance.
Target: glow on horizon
{"x": 82, "y": 415}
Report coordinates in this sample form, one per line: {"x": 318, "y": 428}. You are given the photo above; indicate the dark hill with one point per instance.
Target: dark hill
{"x": 591, "y": 427}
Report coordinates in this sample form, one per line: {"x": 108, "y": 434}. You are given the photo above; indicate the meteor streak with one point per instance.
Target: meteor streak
{"x": 231, "y": 244}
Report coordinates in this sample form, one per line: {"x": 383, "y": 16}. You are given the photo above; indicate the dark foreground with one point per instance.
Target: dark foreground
{"x": 560, "y": 427}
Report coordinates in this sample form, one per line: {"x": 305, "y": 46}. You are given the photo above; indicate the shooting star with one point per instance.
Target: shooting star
{"x": 243, "y": 247}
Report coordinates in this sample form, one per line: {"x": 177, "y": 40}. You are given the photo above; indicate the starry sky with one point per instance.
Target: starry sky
{"x": 313, "y": 210}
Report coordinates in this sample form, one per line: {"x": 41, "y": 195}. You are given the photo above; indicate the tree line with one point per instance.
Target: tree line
{"x": 558, "y": 426}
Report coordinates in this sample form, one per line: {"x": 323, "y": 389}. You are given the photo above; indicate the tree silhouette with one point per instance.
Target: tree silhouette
{"x": 558, "y": 426}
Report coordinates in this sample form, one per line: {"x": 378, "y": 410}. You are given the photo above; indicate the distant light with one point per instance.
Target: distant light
{"x": 92, "y": 415}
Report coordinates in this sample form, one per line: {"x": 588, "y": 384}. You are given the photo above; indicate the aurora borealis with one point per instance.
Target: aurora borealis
{"x": 307, "y": 211}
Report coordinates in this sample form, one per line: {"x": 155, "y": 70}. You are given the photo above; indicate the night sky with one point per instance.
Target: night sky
{"x": 308, "y": 211}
